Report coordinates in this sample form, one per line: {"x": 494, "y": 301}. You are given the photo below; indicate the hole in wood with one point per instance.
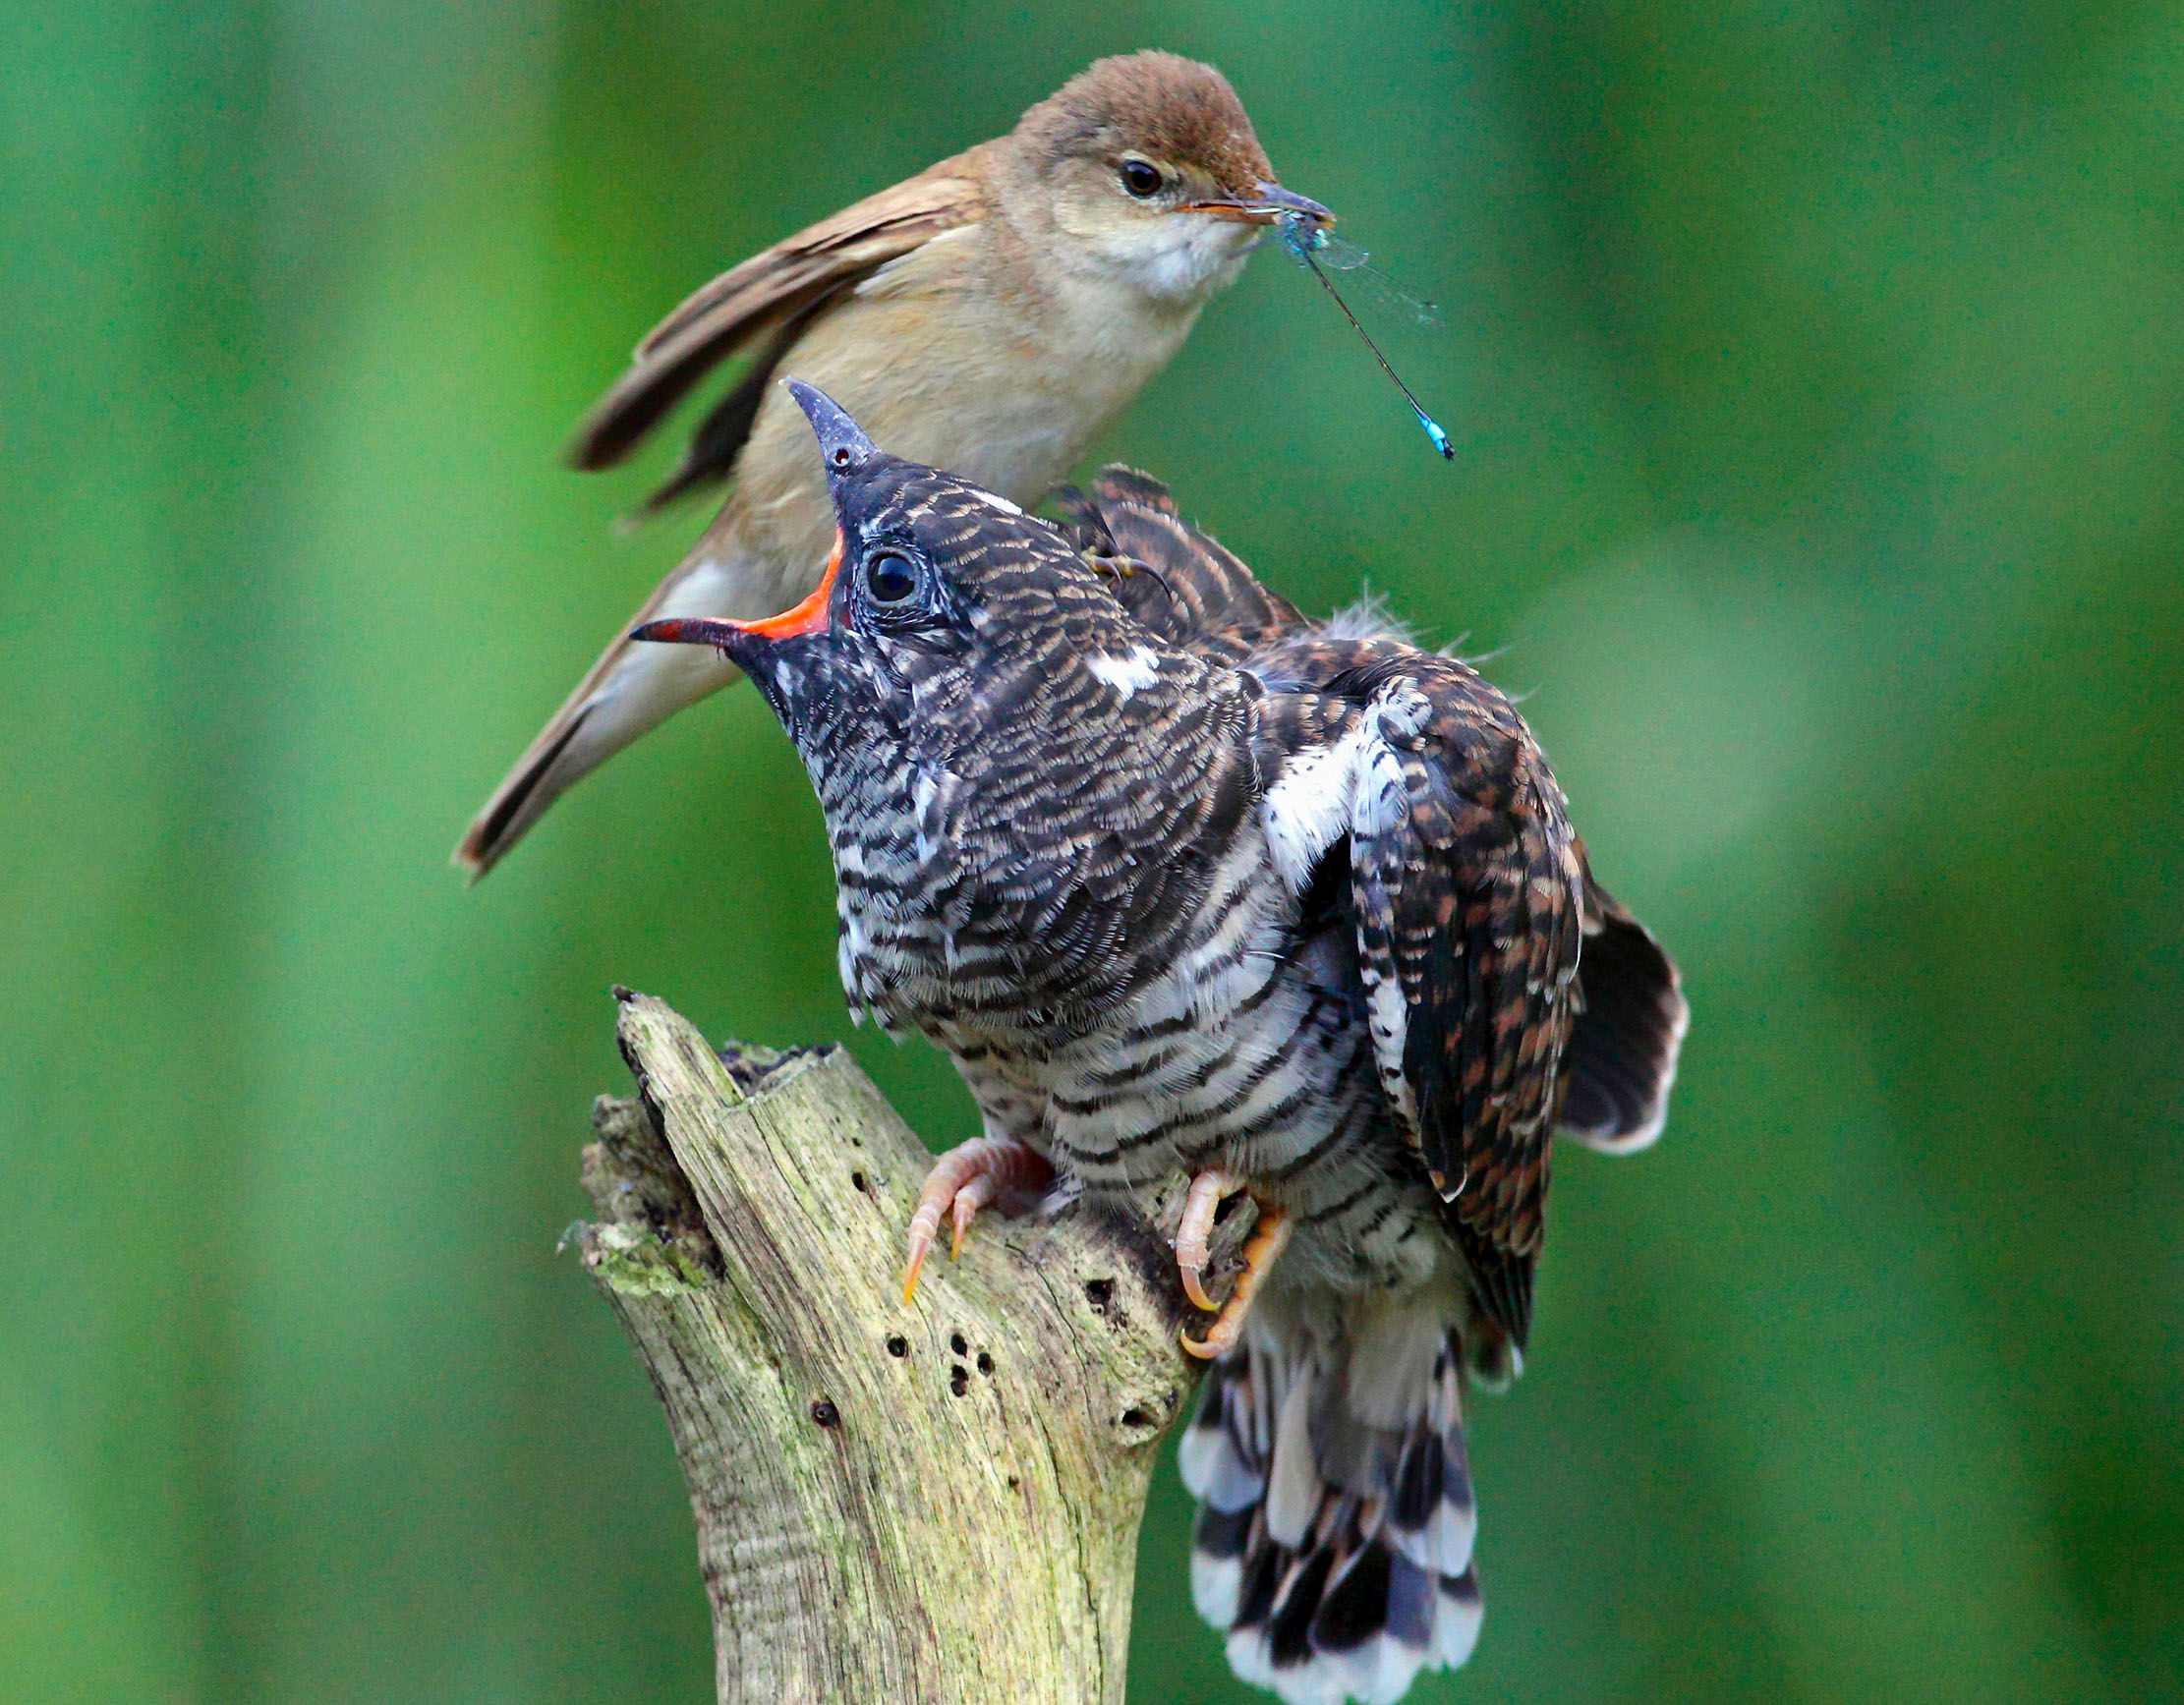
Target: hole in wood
{"x": 1137, "y": 1417}
{"x": 956, "y": 1342}
{"x": 984, "y": 1362}
{"x": 959, "y": 1379}
{"x": 825, "y": 1414}
{"x": 899, "y": 1345}
{"x": 1100, "y": 1293}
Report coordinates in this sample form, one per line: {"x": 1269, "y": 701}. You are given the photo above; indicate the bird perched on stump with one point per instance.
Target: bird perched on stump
{"x": 1187, "y": 884}
{"x": 991, "y": 315}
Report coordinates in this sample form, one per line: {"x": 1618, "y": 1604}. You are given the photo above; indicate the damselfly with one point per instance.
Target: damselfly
{"x": 1312, "y": 248}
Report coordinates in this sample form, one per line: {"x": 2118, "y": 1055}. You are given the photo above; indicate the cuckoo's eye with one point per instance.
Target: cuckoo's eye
{"x": 1142, "y": 179}
{"x": 890, "y": 578}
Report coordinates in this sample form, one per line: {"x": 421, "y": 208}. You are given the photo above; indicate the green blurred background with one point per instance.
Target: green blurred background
{"x": 1816, "y": 374}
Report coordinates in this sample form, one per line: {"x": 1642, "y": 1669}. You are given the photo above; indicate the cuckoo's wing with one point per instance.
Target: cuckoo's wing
{"x": 1621, "y": 1054}
{"x": 1468, "y": 889}
{"x": 1468, "y": 884}
{"x": 1173, "y": 579}
{"x": 761, "y": 306}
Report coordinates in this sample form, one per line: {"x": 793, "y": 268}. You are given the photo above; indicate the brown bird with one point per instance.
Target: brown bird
{"x": 990, "y": 316}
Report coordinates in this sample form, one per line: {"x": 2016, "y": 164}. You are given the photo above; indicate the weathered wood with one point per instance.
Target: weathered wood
{"x": 893, "y": 1504}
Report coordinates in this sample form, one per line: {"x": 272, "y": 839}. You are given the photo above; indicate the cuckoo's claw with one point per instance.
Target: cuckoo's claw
{"x": 1267, "y": 1238}
{"x": 969, "y": 1176}
{"x": 1207, "y": 1191}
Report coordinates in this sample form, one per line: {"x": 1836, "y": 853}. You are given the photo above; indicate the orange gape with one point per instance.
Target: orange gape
{"x": 808, "y": 616}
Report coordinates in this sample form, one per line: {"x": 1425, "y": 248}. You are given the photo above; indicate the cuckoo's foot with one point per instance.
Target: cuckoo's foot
{"x": 969, "y": 1176}
{"x": 1268, "y": 1236}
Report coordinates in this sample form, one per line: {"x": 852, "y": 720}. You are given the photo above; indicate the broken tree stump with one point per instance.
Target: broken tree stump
{"x": 893, "y": 1504}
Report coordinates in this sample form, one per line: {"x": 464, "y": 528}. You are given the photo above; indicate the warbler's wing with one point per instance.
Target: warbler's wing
{"x": 759, "y": 307}
{"x": 1173, "y": 578}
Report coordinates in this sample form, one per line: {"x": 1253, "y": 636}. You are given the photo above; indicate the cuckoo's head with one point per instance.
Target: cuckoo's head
{"x": 994, "y": 741}
{"x": 949, "y": 626}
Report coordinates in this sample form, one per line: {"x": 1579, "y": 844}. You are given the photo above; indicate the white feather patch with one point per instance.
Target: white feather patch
{"x": 1215, "y": 1474}
{"x": 925, "y": 802}
{"x": 1196, "y": 1455}
{"x": 1311, "y": 804}
{"x": 1315, "y": 1681}
{"x": 1383, "y": 793}
{"x": 1127, "y": 675}
{"x": 1249, "y": 1657}
{"x": 1216, "y": 1587}
{"x": 1366, "y": 619}
{"x": 1390, "y": 1017}
{"x": 1456, "y": 1620}
{"x": 1445, "y": 1543}
{"x": 1378, "y": 1672}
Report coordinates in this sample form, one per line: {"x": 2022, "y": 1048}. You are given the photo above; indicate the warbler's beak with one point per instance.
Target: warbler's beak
{"x": 1269, "y": 204}
{"x": 806, "y": 617}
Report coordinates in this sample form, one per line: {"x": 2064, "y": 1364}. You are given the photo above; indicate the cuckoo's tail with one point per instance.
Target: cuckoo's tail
{"x": 1333, "y": 1544}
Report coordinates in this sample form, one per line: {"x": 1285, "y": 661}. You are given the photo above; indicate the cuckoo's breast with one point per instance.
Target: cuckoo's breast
{"x": 1248, "y": 1051}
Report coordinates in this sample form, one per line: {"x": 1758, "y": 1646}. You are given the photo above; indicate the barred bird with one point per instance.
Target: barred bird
{"x": 993, "y": 313}
{"x": 1187, "y": 884}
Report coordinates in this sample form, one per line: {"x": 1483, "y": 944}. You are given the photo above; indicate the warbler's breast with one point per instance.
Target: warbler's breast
{"x": 943, "y": 362}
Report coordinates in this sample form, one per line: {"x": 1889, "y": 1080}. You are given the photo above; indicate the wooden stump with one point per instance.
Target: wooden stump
{"x": 893, "y": 1504}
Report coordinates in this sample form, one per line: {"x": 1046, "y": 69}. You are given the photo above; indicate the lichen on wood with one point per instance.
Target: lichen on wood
{"x": 892, "y": 1504}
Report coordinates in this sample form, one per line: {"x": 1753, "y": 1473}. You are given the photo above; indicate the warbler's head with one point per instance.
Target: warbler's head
{"x": 1145, "y": 169}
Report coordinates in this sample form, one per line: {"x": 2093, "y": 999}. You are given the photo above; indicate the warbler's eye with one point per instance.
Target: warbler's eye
{"x": 1142, "y": 179}
{"x": 890, "y": 578}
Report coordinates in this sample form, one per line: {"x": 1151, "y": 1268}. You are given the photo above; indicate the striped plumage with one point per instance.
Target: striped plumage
{"x": 1185, "y": 883}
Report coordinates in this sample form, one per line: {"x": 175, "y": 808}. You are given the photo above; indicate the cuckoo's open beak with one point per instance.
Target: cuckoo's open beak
{"x": 1271, "y": 202}
{"x": 806, "y": 617}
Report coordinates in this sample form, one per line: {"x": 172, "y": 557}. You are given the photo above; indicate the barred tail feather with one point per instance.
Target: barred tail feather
{"x": 1332, "y": 1547}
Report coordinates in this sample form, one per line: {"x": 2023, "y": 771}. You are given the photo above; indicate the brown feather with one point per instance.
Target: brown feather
{"x": 1477, "y": 902}
{"x": 781, "y": 283}
{"x": 1175, "y": 580}
{"x": 711, "y": 455}
{"x": 1472, "y": 901}
{"x": 1170, "y": 108}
